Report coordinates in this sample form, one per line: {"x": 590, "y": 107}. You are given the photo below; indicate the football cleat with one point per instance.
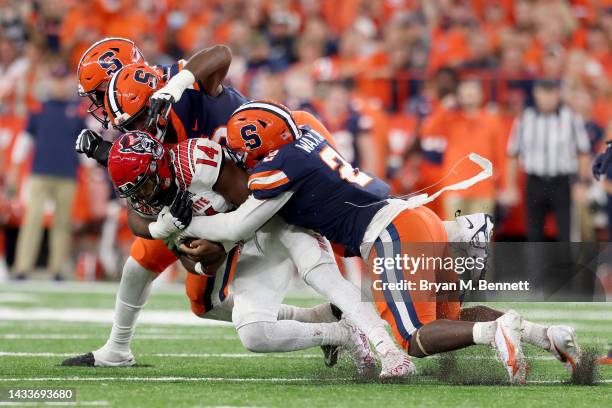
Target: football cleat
{"x": 396, "y": 364}
{"x": 471, "y": 240}
{"x": 475, "y": 229}
{"x": 330, "y": 355}
{"x": 101, "y": 358}
{"x": 507, "y": 342}
{"x": 83, "y": 360}
{"x": 564, "y": 347}
{"x": 358, "y": 347}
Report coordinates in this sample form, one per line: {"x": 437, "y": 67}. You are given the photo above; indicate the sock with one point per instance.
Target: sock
{"x": 326, "y": 280}
{"x": 484, "y": 332}
{"x": 534, "y": 333}
{"x": 318, "y": 314}
{"x": 289, "y": 335}
{"x": 132, "y": 295}
{"x": 380, "y": 339}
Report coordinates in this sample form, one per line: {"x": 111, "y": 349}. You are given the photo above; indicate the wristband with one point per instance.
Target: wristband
{"x": 178, "y": 83}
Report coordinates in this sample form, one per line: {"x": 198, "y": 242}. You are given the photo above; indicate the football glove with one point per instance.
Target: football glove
{"x": 602, "y": 161}
{"x": 182, "y": 209}
{"x": 161, "y": 103}
{"x": 173, "y": 219}
{"x": 90, "y": 143}
{"x": 162, "y": 100}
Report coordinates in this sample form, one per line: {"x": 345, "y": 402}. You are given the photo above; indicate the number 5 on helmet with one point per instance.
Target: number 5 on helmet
{"x": 259, "y": 127}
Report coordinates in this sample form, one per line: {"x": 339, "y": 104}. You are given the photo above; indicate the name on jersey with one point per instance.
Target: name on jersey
{"x": 309, "y": 141}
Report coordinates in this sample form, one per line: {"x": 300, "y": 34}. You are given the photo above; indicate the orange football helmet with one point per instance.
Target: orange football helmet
{"x": 98, "y": 64}
{"x": 259, "y": 127}
{"x": 127, "y": 98}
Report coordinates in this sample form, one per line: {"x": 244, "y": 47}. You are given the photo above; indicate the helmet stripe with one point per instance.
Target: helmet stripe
{"x": 274, "y": 109}
{"x": 110, "y": 92}
{"x": 87, "y": 51}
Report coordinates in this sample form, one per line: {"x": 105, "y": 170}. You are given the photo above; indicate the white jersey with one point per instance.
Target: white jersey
{"x": 253, "y": 280}
{"x": 197, "y": 163}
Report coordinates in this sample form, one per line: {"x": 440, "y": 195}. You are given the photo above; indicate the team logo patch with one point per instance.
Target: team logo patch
{"x": 137, "y": 143}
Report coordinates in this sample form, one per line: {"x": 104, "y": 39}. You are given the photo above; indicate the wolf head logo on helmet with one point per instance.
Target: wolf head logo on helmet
{"x": 98, "y": 64}
{"x": 135, "y": 143}
{"x": 140, "y": 169}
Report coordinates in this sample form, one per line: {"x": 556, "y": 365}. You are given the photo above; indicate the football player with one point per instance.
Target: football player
{"x": 301, "y": 177}
{"x": 148, "y": 258}
{"x": 260, "y": 278}
{"x": 129, "y": 103}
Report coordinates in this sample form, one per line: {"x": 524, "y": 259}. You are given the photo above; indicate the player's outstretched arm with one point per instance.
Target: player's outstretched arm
{"x": 238, "y": 225}
{"x": 207, "y": 67}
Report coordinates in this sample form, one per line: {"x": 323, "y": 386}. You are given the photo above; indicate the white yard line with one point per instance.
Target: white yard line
{"x": 236, "y": 355}
{"x": 17, "y": 298}
{"x": 174, "y": 355}
{"x": 170, "y": 317}
{"x": 42, "y": 336}
{"x": 186, "y": 318}
{"x": 171, "y": 379}
{"x": 219, "y": 379}
{"x": 55, "y": 403}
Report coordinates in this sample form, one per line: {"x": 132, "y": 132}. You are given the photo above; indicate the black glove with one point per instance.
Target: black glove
{"x": 181, "y": 210}
{"x": 160, "y": 107}
{"x": 602, "y": 161}
{"x": 90, "y": 143}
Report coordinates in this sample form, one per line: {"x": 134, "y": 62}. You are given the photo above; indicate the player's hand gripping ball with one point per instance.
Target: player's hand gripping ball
{"x": 173, "y": 219}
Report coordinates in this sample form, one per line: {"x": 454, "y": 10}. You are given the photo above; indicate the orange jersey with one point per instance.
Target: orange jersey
{"x": 478, "y": 134}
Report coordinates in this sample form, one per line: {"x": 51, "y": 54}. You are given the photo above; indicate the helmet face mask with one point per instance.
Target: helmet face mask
{"x": 98, "y": 64}
{"x": 96, "y": 107}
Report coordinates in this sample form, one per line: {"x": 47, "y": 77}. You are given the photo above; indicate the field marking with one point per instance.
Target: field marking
{"x": 161, "y": 317}
{"x": 18, "y": 336}
{"x": 186, "y": 318}
{"x": 100, "y": 403}
{"x": 17, "y": 298}
{"x": 225, "y": 379}
{"x": 237, "y": 355}
{"x": 176, "y": 355}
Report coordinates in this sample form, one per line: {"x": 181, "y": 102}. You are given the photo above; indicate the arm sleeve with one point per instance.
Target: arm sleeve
{"x": 238, "y": 225}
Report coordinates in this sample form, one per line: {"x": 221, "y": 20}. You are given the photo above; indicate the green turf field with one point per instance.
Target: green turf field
{"x": 187, "y": 362}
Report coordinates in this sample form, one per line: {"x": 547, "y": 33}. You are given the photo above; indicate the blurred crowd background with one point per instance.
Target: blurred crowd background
{"x": 407, "y": 87}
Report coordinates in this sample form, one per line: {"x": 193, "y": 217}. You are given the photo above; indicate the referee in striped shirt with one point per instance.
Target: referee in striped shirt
{"x": 553, "y": 147}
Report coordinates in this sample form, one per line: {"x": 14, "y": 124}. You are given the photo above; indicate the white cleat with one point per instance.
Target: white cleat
{"x": 471, "y": 239}
{"x": 101, "y": 358}
{"x": 475, "y": 229}
{"x": 564, "y": 347}
{"x": 396, "y": 364}
{"x": 508, "y": 345}
{"x": 105, "y": 357}
{"x": 358, "y": 347}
